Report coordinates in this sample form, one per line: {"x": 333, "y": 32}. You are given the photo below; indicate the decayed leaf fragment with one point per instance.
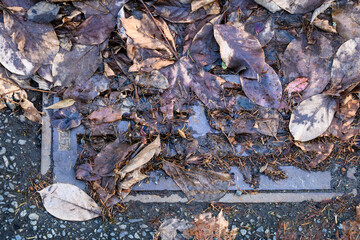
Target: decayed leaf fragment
{"x": 312, "y": 117}
{"x": 345, "y": 71}
{"x": 199, "y": 184}
{"x": 292, "y": 6}
{"x": 30, "y": 112}
{"x": 240, "y": 50}
{"x": 68, "y": 202}
{"x": 37, "y": 42}
{"x": 62, "y": 104}
{"x": 106, "y": 115}
{"x": 207, "y": 226}
{"x": 168, "y": 229}
{"x": 143, "y": 157}
{"x": 322, "y": 150}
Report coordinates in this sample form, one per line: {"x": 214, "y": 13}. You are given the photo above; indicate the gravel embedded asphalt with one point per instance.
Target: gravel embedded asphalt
{"x": 22, "y": 215}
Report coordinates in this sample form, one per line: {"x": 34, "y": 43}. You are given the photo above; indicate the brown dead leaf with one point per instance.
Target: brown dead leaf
{"x": 30, "y": 112}
{"x": 62, "y": 104}
{"x": 106, "y": 115}
{"x": 143, "y": 157}
{"x": 267, "y": 122}
{"x": 346, "y": 16}
{"x": 322, "y": 150}
{"x": 298, "y": 85}
{"x": 112, "y": 155}
{"x": 208, "y": 227}
{"x": 169, "y": 229}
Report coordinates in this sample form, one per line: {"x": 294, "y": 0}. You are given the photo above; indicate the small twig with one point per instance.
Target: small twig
{"x": 152, "y": 17}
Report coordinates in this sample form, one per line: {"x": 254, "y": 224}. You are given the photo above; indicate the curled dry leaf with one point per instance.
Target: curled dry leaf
{"x": 313, "y": 61}
{"x": 199, "y": 184}
{"x": 37, "y": 42}
{"x": 321, "y": 9}
{"x": 92, "y": 7}
{"x": 345, "y": 71}
{"x": 267, "y": 91}
{"x": 205, "y": 226}
{"x": 169, "y": 228}
{"x": 68, "y": 202}
{"x": 240, "y": 50}
{"x": 346, "y": 16}
{"x": 312, "y": 117}
{"x": 10, "y": 56}
{"x": 131, "y": 179}
{"x": 62, "y": 104}
{"x": 76, "y": 66}
{"x": 143, "y": 157}
{"x": 322, "y": 150}
{"x": 324, "y": 25}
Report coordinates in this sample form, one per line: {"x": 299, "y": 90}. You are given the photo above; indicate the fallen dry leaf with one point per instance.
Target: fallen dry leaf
{"x": 322, "y": 150}
{"x": 268, "y": 122}
{"x": 66, "y": 118}
{"x": 208, "y": 227}
{"x": 312, "y": 117}
{"x": 298, "y": 85}
{"x": 131, "y": 179}
{"x": 143, "y": 157}
{"x": 312, "y": 61}
{"x": 10, "y": 56}
{"x": 62, "y": 104}
{"x": 30, "y": 112}
{"x": 106, "y": 115}
{"x": 68, "y": 202}
{"x": 345, "y": 71}
{"x": 346, "y": 17}
{"x": 37, "y": 42}
{"x": 76, "y": 66}
{"x": 266, "y": 91}
{"x": 240, "y": 51}
{"x": 169, "y": 228}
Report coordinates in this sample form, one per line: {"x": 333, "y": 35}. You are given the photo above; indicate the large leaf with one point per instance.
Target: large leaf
{"x": 37, "y": 42}
{"x": 68, "y": 202}
{"x": 313, "y": 61}
{"x": 312, "y": 117}
{"x": 199, "y": 184}
{"x": 347, "y": 21}
{"x": 240, "y": 50}
{"x": 266, "y": 91}
{"x": 10, "y": 56}
{"x": 76, "y": 66}
{"x": 345, "y": 71}
{"x": 92, "y": 7}
{"x": 322, "y": 150}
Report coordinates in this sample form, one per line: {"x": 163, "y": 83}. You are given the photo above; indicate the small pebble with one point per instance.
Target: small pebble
{"x": 243, "y": 232}
{"x": 33, "y": 216}
{"x": 2, "y": 151}
{"x": 21, "y": 142}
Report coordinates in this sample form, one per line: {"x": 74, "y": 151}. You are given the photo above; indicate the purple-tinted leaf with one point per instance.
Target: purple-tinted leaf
{"x": 240, "y": 50}
{"x": 66, "y": 119}
{"x": 266, "y": 91}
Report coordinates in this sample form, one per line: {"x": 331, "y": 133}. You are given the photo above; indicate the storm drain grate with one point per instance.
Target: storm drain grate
{"x": 61, "y": 148}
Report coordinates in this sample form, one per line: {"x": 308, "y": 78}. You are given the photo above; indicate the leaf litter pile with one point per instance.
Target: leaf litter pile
{"x": 276, "y": 83}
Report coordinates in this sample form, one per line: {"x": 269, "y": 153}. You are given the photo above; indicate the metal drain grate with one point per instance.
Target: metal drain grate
{"x": 299, "y": 186}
